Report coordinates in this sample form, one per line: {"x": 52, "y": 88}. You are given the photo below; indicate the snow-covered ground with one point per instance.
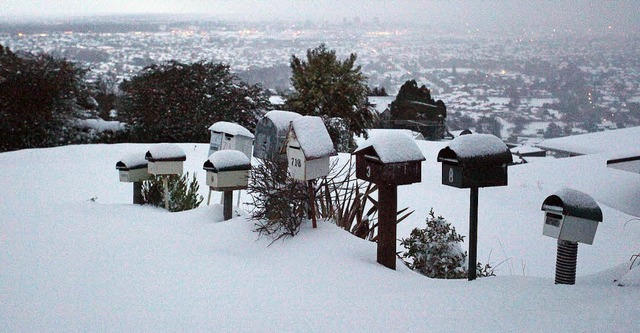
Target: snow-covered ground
{"x": 76, "y": 255}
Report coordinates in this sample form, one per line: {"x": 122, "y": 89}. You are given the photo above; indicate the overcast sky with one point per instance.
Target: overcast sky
{"x": 484, "y": 13}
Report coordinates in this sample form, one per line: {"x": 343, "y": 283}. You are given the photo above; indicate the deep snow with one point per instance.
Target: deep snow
{"x": 76, "y": 255}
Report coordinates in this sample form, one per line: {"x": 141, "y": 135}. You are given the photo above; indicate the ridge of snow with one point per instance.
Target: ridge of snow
{"x": 231, "y": 128}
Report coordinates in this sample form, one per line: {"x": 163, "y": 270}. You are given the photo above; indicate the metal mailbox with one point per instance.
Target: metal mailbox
{"x": 392, "y": 159}
{"x": 475, "y": 160}
{"x": 133, "y": 169}
{"x": 571, "y": 216}
{"x": 227, "y": 170}
{"x": 271, "y": 132}
{"x": 230, "y": 136}
{"x": 165, "y": 159}
{"x": 309, "y": 148}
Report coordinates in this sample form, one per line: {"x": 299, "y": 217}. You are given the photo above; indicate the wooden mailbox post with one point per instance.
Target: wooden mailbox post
{"x": 227, "y": 171}
{"x": 165, "y": 159}
{"x": 388, "y": 161}
{"x": 134, "y": 169}
{"x": 309, "y": 148}
{"x": 474, "y": 161}
{"x": 572, "y": 217}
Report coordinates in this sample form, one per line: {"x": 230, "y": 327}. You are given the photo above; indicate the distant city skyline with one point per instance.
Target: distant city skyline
{"x": 574, "y": 14}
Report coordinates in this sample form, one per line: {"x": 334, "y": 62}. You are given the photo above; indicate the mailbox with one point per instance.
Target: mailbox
{"x": 571, "y": 216}
{"x": 392, "y": 159}
{"x": 230, "y": 136}
{"x": 475, "y": 160}
{"x": 133, "y": 169}
{"x": 165, "y": 159}
{"x": 227, "y": 170}
{"x": 271, "y": 132}
{"x": 309, "y": 148}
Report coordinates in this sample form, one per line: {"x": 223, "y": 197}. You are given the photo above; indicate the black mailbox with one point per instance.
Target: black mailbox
{"x": 475, "y": 160}
{"x": 392, "y": 159}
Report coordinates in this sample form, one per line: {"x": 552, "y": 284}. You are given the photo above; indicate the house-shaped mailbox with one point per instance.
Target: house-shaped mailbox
{"x": 165, "y": 159}
{"x": 475, "y": 160}
{"x": 309, "y": 148}
{"x": 133, "y": 169}
{"x": 271, "y": 131}
{"x": 391, "y": 159}
{"x": 571, "y": 216}
{"x": 227, "y": 170}
{"x": 226, "y": 135}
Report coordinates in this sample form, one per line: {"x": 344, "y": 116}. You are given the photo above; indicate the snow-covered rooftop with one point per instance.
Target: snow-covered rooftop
{"x": 132, "y": 161}
{"x": 230, "y": 128}
{"x": 477, "y": 145}
{"x": 313, "y": 137}
{"x": 593, "y": 143}
{"x": 282, "y": 119}
{"x": 575, "y": 203}
{"x": 393, "y": 147}
{"x": 223, "y": 160}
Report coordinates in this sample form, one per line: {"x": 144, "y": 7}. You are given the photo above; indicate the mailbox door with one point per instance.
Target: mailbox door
{"x": 369, "y": 170}
{"x": 402, "y": 173}
{"x": 452, "y": 175}
{"x": 552, "y": 224}
{"x": 228, "y": 142}
{"x": 124, "y": 176}
{"x": 216, "y": 142}
{"x": 297, "y": 163}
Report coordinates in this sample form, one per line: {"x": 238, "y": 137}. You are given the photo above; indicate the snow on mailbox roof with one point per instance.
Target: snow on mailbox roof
{"x": 477, "y": 145}
{"x": 132, "y": 161}
{"x": 393, "y": 147}
{"x": 575, "y": 203}
{"x": 165, "y": 152}
{"x": 599, "y": 142}
{"x": 313, "y": 137}
{"x": 225, "y": 160}
{"x": 231, "y": 128}
{"x": 282, "y": 119}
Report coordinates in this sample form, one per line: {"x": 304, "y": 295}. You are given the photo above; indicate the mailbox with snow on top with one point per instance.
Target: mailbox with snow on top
{"x": 271, "y": 132}
{"x": 230, "y": 136}
{"x": 165, "y": 159}
{"x": 572, "y": 217}
{"x": 134, "y": 169}
{"x": 474, "y": 161}
{"x": 309, "y": 148}
{"x": 227, "y": 170}
{"x": 388, "y": 161}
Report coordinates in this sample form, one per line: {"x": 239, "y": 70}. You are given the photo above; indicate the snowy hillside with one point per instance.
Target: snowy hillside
{"x": 76, "y": 255}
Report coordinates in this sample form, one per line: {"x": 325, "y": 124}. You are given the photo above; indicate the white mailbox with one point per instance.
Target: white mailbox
{"x": 227, "y": 170}
{"x": 165, "y": 159}
{"x": 308, "y": 147}
{"x": 230, "y": 136}
{"x": 571, "y": 216}
{"x": 133, "y": 169}
{"x": 271, "y": 132}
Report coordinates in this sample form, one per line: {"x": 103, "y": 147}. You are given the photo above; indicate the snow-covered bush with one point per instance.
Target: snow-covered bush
{"x": 435, "y": 251}
{"x": 183, "y": 195}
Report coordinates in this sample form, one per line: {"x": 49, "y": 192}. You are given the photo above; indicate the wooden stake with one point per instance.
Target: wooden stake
{"x": 387, "y": 220}
{"x": 312, "y": 196}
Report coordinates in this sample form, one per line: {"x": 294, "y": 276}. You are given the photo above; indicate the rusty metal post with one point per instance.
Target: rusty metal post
{"x": 387, "y": 220}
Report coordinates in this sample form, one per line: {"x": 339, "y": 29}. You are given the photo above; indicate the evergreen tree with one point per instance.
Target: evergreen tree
{"x": 39, "y": 96}
{"x": 176, "y": 102}
{"x": 331, "y": 88}
{"x": 403, "y": 106}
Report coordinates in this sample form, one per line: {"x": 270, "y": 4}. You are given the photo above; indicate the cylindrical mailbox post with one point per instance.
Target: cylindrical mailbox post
{"x": 572, "y": 217}
{"x": 388, "y": 161}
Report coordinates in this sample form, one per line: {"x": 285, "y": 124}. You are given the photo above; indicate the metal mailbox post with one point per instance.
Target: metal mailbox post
{"x": 473, "y": 161}
{"x": 388, "y": 161}
{"x": 572, "y": 217}
{"x": 134, "y": 169}
{"x": 309, "y": 149}
{"x": 230, "y": 136}
{"x": 227, "y": 171}
{"x": 165, "y": 159}
{"x": 271, "y": 132}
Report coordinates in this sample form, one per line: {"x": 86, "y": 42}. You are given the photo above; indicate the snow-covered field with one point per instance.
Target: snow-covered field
{"x": 76, "y": 255}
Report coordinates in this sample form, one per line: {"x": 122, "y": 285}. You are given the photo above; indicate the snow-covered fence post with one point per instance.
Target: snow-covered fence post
{"x": 473, "y": 161}
{"x": 572, "y": 217}
{"x": 309, "y": 147}
{"x": 134, "y": 169}
{"x": 227, "y": 171}
{"x": 165, "y": 159}
{"x": 388, "y": 161}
